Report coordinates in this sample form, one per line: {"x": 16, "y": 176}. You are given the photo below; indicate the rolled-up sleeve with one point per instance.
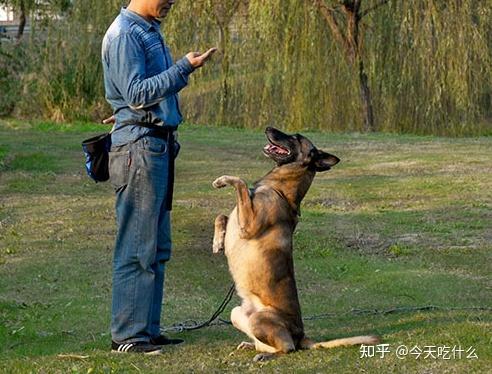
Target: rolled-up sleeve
{"x": 126, "y": 64}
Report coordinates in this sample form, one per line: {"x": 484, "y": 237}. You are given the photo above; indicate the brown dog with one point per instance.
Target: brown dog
{"x": 257, "y": 240}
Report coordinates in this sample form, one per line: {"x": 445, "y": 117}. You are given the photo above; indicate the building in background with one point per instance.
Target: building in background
{"x": 6, "y": 15}
{"x": 16, "y": 21}
{"x": 10, "y": 21}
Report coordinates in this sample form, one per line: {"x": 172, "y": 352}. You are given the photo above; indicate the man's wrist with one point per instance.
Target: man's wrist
{"x": 185, "y": 66}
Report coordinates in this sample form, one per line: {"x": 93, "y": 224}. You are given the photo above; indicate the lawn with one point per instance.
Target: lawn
{"x": 402, "y": 223}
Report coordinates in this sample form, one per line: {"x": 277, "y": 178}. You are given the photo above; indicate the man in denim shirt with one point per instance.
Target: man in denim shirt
{"x": 142, "y": 83}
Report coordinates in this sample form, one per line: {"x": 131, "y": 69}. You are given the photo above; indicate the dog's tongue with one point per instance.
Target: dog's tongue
{"x": 276, "y": 149}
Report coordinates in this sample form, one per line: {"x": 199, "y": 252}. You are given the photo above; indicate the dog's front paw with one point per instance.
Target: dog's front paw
{"x": 220, "y": 182}
{"x": 218, "y": 246}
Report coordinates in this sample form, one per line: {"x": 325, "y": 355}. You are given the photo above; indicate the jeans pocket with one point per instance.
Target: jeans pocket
{"x": 156, "y": 146}
{"x": 119, "y": 166}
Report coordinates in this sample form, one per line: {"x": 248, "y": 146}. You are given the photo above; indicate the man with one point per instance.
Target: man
{"x": 142, "y": 83}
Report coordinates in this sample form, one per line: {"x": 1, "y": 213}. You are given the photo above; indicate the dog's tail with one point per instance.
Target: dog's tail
{"x": 355, "y": 340}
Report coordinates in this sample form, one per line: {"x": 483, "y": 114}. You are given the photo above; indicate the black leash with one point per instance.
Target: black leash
{"x": 190, "y": 325}
{"x": 366, "y": 312}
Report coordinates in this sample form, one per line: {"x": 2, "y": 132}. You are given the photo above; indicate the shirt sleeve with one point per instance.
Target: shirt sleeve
{"x": 126, "y": 67}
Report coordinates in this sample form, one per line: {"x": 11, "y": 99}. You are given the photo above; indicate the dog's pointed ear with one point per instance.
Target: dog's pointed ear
{"x": 324, "y": 161}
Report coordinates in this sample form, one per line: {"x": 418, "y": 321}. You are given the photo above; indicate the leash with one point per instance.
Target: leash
{"x": 190, "y": 325}
{"x": 366, "y": 312}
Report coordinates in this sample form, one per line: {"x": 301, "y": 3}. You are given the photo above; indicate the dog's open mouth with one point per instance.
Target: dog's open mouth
{"x": 274, "y": 149}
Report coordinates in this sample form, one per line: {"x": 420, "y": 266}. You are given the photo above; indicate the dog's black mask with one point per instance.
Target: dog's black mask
{"x": 285, "y": 149}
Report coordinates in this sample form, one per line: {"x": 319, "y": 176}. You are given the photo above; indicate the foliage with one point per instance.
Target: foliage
{"x": 61, "y": 75}
{"x": 428, "y": 65}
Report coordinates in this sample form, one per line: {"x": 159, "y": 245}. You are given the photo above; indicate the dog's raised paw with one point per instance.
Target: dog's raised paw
{"x": 219, "y": 182}
{"x": 218, "y": 247}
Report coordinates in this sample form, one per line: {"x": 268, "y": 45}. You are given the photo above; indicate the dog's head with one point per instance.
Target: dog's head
{"x": 285, "y": 149}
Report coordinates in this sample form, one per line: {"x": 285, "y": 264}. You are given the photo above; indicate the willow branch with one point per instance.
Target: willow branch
{"x": 329, "y": 15}
{"x": 374, "y": 7}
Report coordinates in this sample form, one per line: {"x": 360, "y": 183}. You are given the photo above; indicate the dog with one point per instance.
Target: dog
{"x": 257, "y": 241}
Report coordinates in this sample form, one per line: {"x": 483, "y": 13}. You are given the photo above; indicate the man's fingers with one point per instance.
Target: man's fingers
{"x": 197, "y": 59}
{"x": 210, "y": 51}
{"x": 207, "y": 54}
{"x": 109, "y": 120}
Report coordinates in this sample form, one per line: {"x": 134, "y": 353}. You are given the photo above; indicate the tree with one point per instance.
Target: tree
{"x": 21, "y": 7}
{"x": 26, "y": 7}
{"x": 223, "y": 12}
{"x": 344, "y": 20}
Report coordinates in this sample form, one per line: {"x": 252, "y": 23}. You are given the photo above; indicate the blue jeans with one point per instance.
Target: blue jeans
{"x": 138, "y": 173}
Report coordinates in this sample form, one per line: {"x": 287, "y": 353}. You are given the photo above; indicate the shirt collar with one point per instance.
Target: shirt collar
{"x": 147, "y": 25}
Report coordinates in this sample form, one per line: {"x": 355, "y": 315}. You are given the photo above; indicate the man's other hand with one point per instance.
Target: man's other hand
{"x": 197, "y": 59}
{"x": 109, "y": 121}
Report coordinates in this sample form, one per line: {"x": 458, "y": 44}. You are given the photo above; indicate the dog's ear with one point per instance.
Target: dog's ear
{"x": 324, "y": 161}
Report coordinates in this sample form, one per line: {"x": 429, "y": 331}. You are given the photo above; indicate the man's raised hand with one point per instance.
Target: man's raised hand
{"x": 197, "y": 59}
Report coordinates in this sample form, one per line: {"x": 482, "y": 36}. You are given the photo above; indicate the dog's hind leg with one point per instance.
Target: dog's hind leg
{"x": 271, "y": 335}
{"x": 219, "y": 234}
{"x": 249, "y": 324}
{"x": 240, "y": 320}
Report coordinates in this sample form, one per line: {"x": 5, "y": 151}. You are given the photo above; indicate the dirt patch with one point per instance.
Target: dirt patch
{"x": 366, "y": 243}
{"x": 333, "y": 204}
{"x": 376, "y": 245}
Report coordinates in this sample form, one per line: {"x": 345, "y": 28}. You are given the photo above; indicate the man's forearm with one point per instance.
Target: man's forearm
{"x": 147, "y": 92}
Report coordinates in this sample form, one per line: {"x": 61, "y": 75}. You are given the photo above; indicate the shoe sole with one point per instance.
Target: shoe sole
{"x": 151, "y": 353}
{"x": 163, "y": 344}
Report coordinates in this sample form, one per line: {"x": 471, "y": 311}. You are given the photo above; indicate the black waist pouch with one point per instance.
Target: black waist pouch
{"x": 96, "y": 152}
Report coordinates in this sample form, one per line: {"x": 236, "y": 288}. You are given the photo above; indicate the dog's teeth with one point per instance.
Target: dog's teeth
{"x": 272, "y": 148}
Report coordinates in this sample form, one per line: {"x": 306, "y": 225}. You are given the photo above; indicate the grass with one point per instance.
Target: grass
{"x": 402, "y": 221}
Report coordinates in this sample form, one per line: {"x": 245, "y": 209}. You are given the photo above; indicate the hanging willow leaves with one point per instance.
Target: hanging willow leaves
{"x": 412, "y": 66}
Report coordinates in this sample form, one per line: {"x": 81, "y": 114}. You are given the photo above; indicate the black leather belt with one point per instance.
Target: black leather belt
{"x": 162, "y": 133}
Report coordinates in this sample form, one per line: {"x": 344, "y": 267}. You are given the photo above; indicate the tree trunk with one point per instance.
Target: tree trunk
{"x": 365, "y": 96}
{"x": 352, "y": 10}
{"x": 224, "y": 92}
{"x": 22, "y": 20}
{"x": 350, "y": 42}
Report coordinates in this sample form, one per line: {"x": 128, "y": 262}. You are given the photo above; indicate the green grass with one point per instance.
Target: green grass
{"x": 402, "y": 221}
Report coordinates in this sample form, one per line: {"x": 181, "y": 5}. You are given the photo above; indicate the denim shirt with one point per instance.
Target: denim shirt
{"x": 140, "y": 78}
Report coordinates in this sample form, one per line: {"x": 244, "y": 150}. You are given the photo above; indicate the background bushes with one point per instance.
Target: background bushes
{"x": 428, "y": 65}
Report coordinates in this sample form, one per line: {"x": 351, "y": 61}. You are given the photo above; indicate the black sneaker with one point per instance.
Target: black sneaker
{"x": 136, "y": 347}
{"x": 164, "y": 340}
